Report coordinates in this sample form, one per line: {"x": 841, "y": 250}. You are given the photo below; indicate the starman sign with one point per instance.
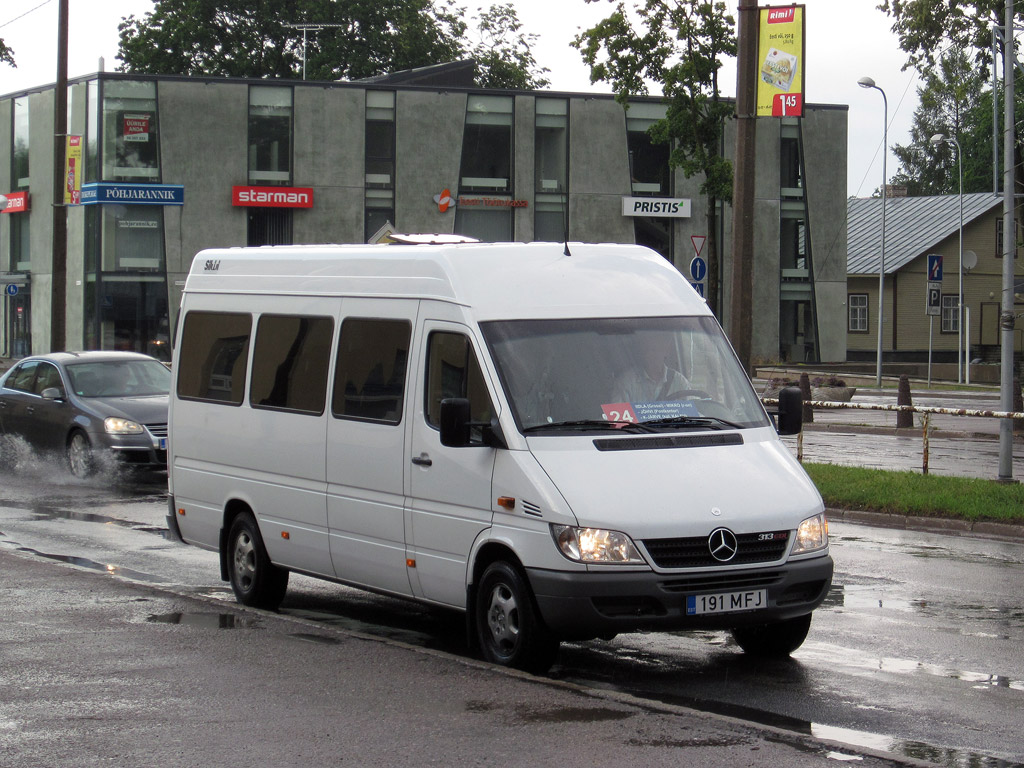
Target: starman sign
{"x": 272, "y": 197}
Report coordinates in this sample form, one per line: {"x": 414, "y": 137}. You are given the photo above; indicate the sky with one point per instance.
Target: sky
{"x": 846, "y": 40}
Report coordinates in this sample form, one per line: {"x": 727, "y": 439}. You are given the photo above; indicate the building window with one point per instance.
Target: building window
{"x": 999, "y": 238}
{"x": 19, "y": 148}
{"x": 269, "y": 226}
{"x": 486, "y": 169}
{"x": 950, "y": 315}
{"x": 130, "y": 134}
{"x": 858, "y": 305}
{"x": 379, "y": 202}
{"x": 270, "y": 134}
{"x": 551, "y": 147}
{"x": 648, "y": 175}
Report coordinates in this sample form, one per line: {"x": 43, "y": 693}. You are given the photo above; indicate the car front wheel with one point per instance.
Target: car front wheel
{"x": 80, "y": 457}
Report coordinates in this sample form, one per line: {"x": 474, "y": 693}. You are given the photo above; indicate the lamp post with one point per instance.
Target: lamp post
{"x": 937, "y": 139}
{"x": 867, "y": 82}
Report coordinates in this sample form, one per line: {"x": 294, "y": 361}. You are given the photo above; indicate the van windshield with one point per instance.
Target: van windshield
{"x": 634, "y": 374}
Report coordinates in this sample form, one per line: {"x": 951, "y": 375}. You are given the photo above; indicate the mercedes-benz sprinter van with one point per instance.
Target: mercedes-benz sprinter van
{"x": 557, "y": 440}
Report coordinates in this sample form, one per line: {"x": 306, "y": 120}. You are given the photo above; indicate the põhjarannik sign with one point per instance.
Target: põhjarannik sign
{"x": 132, "y": 194}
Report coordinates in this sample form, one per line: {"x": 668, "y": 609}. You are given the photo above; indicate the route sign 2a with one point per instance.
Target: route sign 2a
{"x": 934, "y": 267}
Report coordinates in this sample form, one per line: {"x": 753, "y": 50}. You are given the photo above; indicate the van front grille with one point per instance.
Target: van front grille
{"x": 694, "y": 552}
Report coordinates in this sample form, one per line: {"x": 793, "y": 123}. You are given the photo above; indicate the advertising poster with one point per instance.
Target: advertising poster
{"x": 780, "y": 62}
{"x": 73, "y": 171}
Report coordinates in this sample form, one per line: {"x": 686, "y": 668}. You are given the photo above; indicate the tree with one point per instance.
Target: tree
{"x": 953, "y": 101}
{"x": 359, "y": 38}
{"x": 6, "y": 54}
{"x": 679, "y": 44}
{"x": 502, "y": 53}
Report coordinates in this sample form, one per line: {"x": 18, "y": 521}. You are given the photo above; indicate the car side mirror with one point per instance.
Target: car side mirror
{"x": 791, "y": 411}
{"x": 52, "y": 393}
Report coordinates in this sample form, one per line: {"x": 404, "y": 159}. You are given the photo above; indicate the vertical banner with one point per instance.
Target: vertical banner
{"x": 780, "y": 58}
{"x": 73, "y": 171}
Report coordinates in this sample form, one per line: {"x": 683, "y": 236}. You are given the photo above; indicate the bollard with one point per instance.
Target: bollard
{"x": 805, "y": 391}
{"x": 904, "y": 419}
{"x": 1018, "y": 405}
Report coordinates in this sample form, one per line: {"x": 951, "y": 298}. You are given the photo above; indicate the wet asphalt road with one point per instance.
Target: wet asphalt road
{"x": 915, "y": 654}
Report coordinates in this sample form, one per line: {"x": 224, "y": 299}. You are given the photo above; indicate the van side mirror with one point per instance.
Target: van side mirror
{"x": 456, "y": 427}
{"x": 791, "y": 411}
{"x": 455, "y": 422}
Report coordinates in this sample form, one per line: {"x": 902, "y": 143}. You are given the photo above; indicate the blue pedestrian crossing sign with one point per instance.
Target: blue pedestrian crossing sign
{"x": 934, "y": 267}
{"x": 12, "y": 289}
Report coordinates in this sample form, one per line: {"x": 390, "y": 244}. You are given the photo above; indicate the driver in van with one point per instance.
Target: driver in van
{"x": 650, "y": 380}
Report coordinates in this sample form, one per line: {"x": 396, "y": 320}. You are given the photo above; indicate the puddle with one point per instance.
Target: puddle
{"x": 82, "y": 562}
{"x": 206, "y": 620}
{"x": 944, "y": 756}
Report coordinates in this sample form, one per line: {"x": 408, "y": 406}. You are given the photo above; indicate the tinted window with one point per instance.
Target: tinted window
{"x": 47, "y": 376}
{"x": 214, "y": 353}
{"x": 290, "y": 361}
{"x": 22, "y": 378}
{"x": 453, "y": 371}
{"x": 369, "y": 379}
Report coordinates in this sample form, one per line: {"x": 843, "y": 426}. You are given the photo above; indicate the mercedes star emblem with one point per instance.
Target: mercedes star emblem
{"x": 722, "y": 544}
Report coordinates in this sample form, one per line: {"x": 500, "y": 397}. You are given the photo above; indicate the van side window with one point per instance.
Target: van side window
{"x": 214, "y": 354}
{"x": 369, "y": 378}
{"x": 290, "y": 362}
{"x": 453, "y": 371}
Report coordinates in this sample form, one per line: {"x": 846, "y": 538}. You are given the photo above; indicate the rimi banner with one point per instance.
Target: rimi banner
{"x": 780, "y": 56}
{"x": 73, "y": 171}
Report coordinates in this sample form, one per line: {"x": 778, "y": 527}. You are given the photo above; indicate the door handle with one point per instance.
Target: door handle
{"x": 423, "y": 460}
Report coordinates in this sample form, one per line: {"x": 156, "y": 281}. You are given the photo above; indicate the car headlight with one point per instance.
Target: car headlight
{"x": 113, "y": 425}
{"x": 811, "y": 534}
{"x": 595, "y": 545}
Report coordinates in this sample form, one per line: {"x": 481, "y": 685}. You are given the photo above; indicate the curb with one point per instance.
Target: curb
{"x": 869, "y": 429}
{"x": 983, "y": 529}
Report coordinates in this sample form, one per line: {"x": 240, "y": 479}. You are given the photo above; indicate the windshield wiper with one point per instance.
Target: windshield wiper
{"x": 692, "y": 421}
{"x": 624, "y": 426}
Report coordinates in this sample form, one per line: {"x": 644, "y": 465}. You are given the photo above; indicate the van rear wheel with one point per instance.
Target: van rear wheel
{"x": 508, "y": 627}
{"x": 255, "y": 580}
{"x": 773, "y": 641}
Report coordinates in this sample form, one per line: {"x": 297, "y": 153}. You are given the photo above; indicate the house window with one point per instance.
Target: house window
{"x": 649, "y": 175}
{"x": 858, "y": 304}
{"x": 131, "y": 139}
{"x": 270, "y": 134}
{"x": 551, "y": 143}
{"x": 999, "y": 238}
{"x": 950, "y": 316}
{"x": 19, "y": 148}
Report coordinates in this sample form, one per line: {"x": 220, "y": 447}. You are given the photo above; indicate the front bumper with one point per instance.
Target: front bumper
{"x": 584, "y": 605}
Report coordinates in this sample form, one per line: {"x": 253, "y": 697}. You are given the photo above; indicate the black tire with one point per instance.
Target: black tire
{"x": 255, "y": 580}
{"x": 81, "y": 460}
{"x": 773, "y": 641}
{"x": 509, "y": 629}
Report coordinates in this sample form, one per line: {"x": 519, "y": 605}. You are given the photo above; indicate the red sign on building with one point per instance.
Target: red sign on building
{"x": 272, "y": 197}
{"x": 17, "y": 202}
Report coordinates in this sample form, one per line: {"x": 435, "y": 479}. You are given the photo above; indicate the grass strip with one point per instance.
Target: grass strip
{"x": 911, "y": 493}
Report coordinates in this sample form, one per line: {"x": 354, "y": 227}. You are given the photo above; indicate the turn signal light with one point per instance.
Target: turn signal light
{"x": 285, "y": 535}
{"x": 181, "y": 512}
{"x": 410, "y": 563}
{"x": 507, "y": 502}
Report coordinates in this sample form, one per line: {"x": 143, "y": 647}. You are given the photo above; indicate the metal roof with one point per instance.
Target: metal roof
{"x": 913, "y": 227}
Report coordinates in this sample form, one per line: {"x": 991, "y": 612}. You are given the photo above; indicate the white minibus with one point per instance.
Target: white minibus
{"x": 557, "y": 440}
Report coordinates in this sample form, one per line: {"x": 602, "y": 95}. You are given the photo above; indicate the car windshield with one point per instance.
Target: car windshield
{"x": 633, "y": 374}
{"x": 119, "y": 378}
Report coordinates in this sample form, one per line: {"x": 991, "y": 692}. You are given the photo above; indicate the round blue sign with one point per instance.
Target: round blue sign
{"x": 698, "y": 268}
{"x": 12, "y": 289}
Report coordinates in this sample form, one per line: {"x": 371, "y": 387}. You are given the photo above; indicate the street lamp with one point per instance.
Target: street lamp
{"x": 937, "y": 139}
{"x": 867, "y": 82}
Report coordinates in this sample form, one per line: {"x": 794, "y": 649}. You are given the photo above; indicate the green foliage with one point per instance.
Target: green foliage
{"x": 952, "y": 101}
{"x": 6, "y": 55}
{"x": 360, "y": 38}
{"x": 911, "y": 493}
{"x": 680, "y": 45}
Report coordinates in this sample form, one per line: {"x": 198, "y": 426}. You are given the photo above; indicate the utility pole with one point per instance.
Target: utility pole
{"x": 59, "y": 269}
{"x": 741, "y": 299}
{"x": 1006, "y": 317}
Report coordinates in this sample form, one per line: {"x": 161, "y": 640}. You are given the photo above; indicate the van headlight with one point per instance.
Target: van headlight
{"x": 811, "y": 534}
{"x": 113, "y": 425}
{"x": 595, "y": 545}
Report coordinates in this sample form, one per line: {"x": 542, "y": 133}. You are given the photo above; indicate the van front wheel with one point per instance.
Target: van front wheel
{"x": 508, "y": 627}
{"x": 773, "y": 641}
{"x": 255, "y": 580}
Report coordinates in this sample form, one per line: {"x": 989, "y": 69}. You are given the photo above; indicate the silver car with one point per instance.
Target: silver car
{"x": 79, "y": 404}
